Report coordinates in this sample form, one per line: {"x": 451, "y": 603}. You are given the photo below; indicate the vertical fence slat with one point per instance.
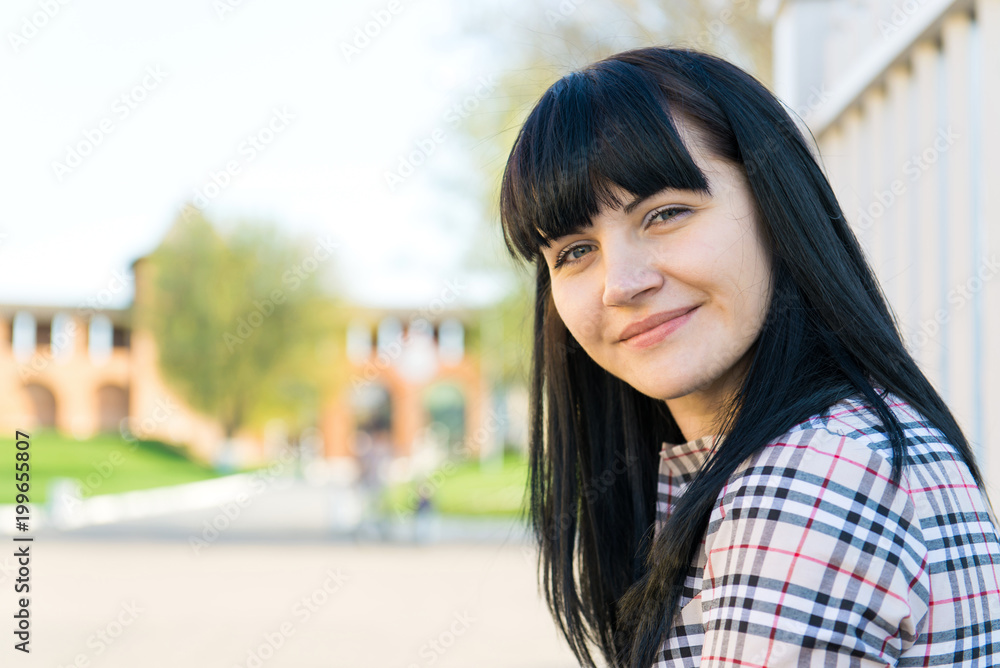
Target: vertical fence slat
{"x": 899, "y": 215}
{"x": 925, "y": 178}
{"x": 988, "y": 27}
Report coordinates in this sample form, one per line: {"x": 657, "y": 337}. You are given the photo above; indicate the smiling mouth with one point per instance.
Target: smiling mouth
{"x": 659, "y": 332}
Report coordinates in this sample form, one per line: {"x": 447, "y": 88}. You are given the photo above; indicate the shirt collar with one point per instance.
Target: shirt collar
{"x": 685, "y": 459}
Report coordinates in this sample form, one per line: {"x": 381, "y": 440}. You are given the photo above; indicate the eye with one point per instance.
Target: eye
{"x": 665, "y": 214}
{"x": 561, "y": 258}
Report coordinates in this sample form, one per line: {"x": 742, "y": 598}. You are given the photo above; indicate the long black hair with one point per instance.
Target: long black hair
{"x": 828, "y": 333}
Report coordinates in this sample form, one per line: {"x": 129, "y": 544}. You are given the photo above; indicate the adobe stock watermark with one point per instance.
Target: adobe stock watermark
{"x": 225, "y": 7}
{"x": 776, "y": 144}
{"x": 434, "y": 648}
{"x": 246, "y": 152}
{"x": 493, "y": 425}
{"x": 958, "y": 297}
{"x": 293, "y": 278}
{"x": 901, "y": 13}
{"x": 817, "y": 98}
{"x": 562, "y": 12}
{"x": 105, "y": 468}
{"x": 787, "y": 639}
{"x": 43, "y": 357}
{"x": 302, "y": 611}
{"x": 915, "y": 167}
{"x": 64, "y": 338}
{"x": 593, "y": 489}
{"x": 133, "y": 429}
{"x": 32, "y": 25}
{"x": 393, "y": 349}
{"x": 119, "y": 281}
{"x": 121, "y": 109}
{"x": 8, "y": 568}
{"x": 601, "y": 483}
{"x": 714, "y": 29}
{"x": 425, "y": 147}
{"x": 229, "y": 512}
{"x": 363, "y": 35}
{"x": 93, "y": 480}
{"x": 426, "y": 488}
{"x": 106, "y": 636}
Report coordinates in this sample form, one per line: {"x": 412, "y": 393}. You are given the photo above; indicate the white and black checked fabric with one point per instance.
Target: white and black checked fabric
{"x": 812, "y": 558}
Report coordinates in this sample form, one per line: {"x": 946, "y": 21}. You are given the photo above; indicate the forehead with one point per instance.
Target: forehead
{"x": 591, "y": 146}
{"x": 725, "y": 179}
{"x": 718, "y": 172}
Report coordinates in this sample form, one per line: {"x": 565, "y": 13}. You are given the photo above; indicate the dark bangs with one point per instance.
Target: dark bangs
{"x": 608, "y": 125}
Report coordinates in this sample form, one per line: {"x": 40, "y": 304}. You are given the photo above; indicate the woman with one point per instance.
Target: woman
{"x": 814, "y": 502}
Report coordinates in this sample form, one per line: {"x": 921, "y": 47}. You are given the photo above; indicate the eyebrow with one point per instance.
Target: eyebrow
{"x": 627, "y": 209}
{"x": 630, "y": 207}
{"x": 577, "y": 229}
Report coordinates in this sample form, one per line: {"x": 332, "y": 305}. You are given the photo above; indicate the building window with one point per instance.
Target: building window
{"x": 23, "y": 336}
{"x": 63, "y": 336}
{"x": 359, "y": 342}
{"x": 99, "y": 339}
{"x": 451, "y": 341}
{"x": 43, "y": 334}
{"x": 120, "y": 337}
{"x": 390, "y": 335}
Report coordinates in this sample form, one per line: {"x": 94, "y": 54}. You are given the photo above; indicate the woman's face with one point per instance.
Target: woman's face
{"x": 676, "y": 252}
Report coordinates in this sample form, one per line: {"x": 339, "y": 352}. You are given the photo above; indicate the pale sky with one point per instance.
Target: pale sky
{"x": 162, "y": 95}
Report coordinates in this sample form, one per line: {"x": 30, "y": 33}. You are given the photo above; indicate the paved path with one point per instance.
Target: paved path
{"x": 288, "y": 509}
{"x": 129, "y": 603}
{"x": 280, "y": 583}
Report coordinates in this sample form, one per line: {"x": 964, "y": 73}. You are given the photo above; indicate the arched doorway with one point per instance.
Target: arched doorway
{"x": 371, "y": 405}
{"x": 43, "y": 405}
{"x": 112, "y": 407}
{"x": 444, "y": 404}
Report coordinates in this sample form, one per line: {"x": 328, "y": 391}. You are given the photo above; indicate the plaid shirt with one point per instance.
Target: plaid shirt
{"x": 813, "y": 558}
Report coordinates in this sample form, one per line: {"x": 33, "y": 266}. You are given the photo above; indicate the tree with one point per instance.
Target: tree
{"x": 240, "y": 322}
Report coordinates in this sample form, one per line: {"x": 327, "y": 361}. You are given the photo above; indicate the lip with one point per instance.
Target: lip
{"x": 654, "y": 328}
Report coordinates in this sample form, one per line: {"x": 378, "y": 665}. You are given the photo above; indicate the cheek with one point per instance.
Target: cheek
{"x": 715, "y": 349}
{"x": 577, "y": 312}
{"x": 751, "y": 299}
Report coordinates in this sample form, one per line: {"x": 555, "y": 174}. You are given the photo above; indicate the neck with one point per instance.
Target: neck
{"x": 701, "y": 412}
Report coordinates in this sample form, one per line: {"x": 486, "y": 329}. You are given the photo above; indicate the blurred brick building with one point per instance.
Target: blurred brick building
{"x": 84, "y": 371}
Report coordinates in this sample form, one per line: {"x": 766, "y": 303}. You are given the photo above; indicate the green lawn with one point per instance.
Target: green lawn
{"x": 464, "y": 488}
{"x": 107, "y": 464}
{"x": 104, "y": 464}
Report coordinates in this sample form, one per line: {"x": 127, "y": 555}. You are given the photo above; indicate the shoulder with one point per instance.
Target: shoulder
{"x": 832, "y": 471}
{"x": 810, "y": 538}
{"x": 856, "y": 417}
{"x": 849, "y": 442}
{"x": 818, "y": 478}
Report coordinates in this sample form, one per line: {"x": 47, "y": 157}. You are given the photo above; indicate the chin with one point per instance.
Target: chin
{"x": 667, "y": 385}
{"x": 659, "y": 390}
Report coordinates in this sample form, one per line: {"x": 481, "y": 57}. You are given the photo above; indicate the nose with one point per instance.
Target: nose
{"x": 629, "y": 272}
